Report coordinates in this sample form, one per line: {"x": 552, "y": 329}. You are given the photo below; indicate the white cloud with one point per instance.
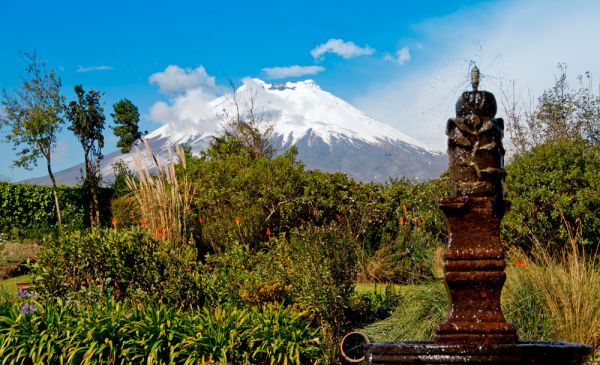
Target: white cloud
{"x": 192, "y": 92}
{"x": 402, "y": 56}
{"x": 341, "y": 48}
{"x": 520, "y": 41}
{"x": 190, "y": 109}
{"x": 291, "y": 71}
{"x": 175, "y": 80}
{"x": 93, "y": 68}
{"x": 196, "y": 111}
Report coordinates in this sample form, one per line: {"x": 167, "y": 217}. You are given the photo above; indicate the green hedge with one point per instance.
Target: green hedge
{"x": 27, "y": 210}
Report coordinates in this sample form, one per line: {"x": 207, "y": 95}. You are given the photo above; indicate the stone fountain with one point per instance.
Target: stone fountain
{"x": 475, "y": 330}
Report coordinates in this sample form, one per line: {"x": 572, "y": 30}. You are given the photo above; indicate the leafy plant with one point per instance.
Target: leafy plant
{"x": 124, "y": 263}
{"x": 113, "y": 332}
{"x": 552, "y": 187}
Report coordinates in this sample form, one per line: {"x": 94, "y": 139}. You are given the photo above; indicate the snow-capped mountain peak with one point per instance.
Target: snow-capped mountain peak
{"x": 329, "y": 133}
{"x": 295, "y": 109}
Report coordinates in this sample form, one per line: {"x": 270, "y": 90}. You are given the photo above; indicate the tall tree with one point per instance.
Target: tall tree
{"x": 34, "y": 114}
{"x": 561, "y": 112}
{"x": 86, "y": 116}
{"x": 126, "y": 117}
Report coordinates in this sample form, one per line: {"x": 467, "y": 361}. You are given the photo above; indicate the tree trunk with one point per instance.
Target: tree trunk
{"x": 95, "y": 182}
{"x": 90, "y": 182}
{"x": 55, "y": 192}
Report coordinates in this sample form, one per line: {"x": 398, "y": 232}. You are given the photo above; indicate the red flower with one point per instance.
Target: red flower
{"x": 338, "y": 217}
{"x": 514, "y": 262}
{"x": 419, "y": 221}
{"x": 268, "y": 232}
{"x": 114, "y": 222}
{"x": 159, "y": 232}
{"x": 201, "y": 220}
{"x": 522, "y": 264}
{"x": 143, "y": 223}
{"x": 237, "y": 220}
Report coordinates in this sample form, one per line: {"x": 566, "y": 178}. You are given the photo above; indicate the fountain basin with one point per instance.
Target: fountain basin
{"x": 423, "y": 352}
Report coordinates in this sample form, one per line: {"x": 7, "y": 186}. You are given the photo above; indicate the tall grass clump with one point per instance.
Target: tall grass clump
{"x": 555, "y": 297}
{"x": 164, "y": 199}
{"x": 419, "y": 311}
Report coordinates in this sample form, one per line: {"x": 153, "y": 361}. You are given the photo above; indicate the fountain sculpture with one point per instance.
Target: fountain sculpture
{"x": 475, "y": 331}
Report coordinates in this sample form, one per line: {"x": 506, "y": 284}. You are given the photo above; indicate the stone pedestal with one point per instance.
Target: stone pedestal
{"x": 474, "y": 273}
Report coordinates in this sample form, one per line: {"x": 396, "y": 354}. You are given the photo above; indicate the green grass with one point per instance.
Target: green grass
{"x": 10, "y": 285}
{"x": 421, "y": 308}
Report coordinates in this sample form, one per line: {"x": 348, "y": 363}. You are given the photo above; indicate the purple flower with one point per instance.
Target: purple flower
{"x": 28, "y": 309}
{"x": 23, "y": 293}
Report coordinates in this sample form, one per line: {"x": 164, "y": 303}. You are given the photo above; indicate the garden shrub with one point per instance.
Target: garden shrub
{"x": 554, "y": 189}
{"x": 241, "y": 198}
{"x": 314, "y": 269}
{"x": 126, "y": 262}
{"x": 246, "y": 278}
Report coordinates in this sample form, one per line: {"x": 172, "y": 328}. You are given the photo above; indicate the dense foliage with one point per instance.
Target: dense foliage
{"x": 123, "y": 264}
{"x": 126, "y": 118}
{"x": 28, "y": 210}
{"x": 241, "y": 198}
{"x": 69, "y": 332}
{"x": 555, "y": 194}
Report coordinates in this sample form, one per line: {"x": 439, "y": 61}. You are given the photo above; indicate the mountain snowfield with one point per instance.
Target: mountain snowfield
{"x": 330, "y": 134}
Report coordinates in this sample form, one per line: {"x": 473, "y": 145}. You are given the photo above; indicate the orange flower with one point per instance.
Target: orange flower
{"x": 114, "y": 222}
{"x": 143, "y": 223}
{"x": 404, "y": 207}
{"x": 514, "y": 262}
{"x": 419, "y": 221}
{"x": 522, "y": 264}
{"x": 159, "y": 232}
{"x": 268, "y": 232}
{"x": 401, "y": 221}
{"x": 237, "y": 220}
{"x": 201, "y": 220}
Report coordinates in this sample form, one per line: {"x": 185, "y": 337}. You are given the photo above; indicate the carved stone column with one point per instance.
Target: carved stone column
{"x": 474, "y": 260}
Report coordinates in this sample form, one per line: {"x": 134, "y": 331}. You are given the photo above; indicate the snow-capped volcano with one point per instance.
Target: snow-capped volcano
{"x": 295, "y": 110}
{"x": 330, "y": 134}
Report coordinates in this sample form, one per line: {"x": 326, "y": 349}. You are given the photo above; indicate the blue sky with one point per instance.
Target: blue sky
{"x": 402, "y": 62}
